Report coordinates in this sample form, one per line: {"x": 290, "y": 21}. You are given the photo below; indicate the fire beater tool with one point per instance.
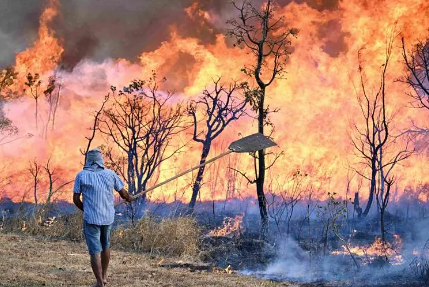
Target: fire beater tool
{"x": 250, "y": 143}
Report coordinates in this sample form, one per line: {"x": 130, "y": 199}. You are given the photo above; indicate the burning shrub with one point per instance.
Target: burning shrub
{"x": 389, "y": 252}
{"x": 168, "y": 237}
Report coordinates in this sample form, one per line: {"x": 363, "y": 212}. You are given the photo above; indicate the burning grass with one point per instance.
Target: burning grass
{"x": 368, "y": 254}
{"x": 167, "y": 237}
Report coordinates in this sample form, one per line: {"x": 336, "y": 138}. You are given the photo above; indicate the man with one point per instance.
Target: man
{"x": 96, "y": 183}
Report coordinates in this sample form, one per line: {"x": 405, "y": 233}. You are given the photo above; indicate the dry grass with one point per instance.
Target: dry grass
{"x": 177, "y": 237}
{"x": 28, "y": 261}
{"x": 41, "y": 224}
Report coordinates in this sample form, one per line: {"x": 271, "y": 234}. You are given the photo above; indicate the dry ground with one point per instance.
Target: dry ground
{"x": 29, "y": 261}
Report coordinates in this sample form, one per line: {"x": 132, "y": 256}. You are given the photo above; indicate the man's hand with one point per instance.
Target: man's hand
{"x": 77, "y": 201}
{"x": 125, "y": 195}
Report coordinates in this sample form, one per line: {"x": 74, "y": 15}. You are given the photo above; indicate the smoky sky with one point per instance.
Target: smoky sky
{"x": 99, "y": 29}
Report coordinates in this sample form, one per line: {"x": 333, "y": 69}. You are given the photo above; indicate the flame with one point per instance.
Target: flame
{"x": 317, "y": 100}
{"x": 377, "y": 249}
{"x": 46, "y": 52}
{"x": 231, "y": 227}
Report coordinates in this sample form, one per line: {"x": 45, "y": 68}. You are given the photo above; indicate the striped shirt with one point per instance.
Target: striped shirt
{"x": 97, "y": 189}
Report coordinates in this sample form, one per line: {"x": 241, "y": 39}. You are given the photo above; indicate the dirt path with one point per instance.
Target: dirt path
{"x": 28, "y": 261}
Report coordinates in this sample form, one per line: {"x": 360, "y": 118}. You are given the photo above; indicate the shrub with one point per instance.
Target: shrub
{"x": 168, "y": 237}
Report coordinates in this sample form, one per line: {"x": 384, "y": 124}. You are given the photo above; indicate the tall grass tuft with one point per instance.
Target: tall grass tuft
{"x": 166, "y": 237}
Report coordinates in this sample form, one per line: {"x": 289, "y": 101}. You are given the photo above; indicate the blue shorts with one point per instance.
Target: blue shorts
{"x": 97, "y": 237}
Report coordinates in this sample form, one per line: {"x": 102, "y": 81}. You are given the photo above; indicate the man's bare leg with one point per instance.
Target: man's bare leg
{"x": 105, "y": 258}
{"x": 97, "y": 269}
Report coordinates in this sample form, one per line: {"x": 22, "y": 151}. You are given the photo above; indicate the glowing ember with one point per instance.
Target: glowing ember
{"x": 231, "y": 227}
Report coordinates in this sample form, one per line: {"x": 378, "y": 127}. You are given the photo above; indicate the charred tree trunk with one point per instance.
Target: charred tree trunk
{"x": 356, "y": 204}
{"x": 51, "y": 190}
{"x": 269, "y": 40}
{"x": 219, "y": 108}
{"x": 384, "y": 203}
{"x": 198, "y": 180}
{"x": 34, "y": 170}
{"x": 372, "y": 187}
{"x": 35, "y": 190}
{"x": 260, "y": 179}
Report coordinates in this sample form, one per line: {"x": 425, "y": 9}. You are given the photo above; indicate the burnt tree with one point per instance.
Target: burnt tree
{"x": 35, "y": 169}
{"x": 218, "y": 108}
{"x": 141, "y": 123}
{"x": 268, "y": 39}
{"x": 373, "y": 136}
{"x": 52, "y": 95}
{"x": 417, "y": 77}
{"x": 34, "y": 84}
{"x": 52, "y": 180}
{"x": 94, "y": 127}
{"x": 374, "y": 142}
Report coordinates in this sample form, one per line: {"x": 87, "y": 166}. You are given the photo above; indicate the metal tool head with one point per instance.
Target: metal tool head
{"x": 251, "y": 143}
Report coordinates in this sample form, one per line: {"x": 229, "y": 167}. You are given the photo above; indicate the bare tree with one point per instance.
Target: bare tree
{"x": 94, "y": 127}
{"x": 52, "y": 177}
{"x": 375, "y": 143}
{"x": 34, "y": 84}
{"x": 268, "y": 39}
{"x": 34, "y": 169}
{"x": 52, "y": 94}
{"x": 141, "y": 125}
{"x": 373, "y": 136}
{"x": 417, "y": 77}
{"x": 288, "y": 194}
{"x": 218, "y": 108}
{"x": 385, "y": 166}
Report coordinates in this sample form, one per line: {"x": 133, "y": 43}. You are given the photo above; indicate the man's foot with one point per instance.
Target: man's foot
{"x": 105, "y": 282}
{"x": 98, "y": 285}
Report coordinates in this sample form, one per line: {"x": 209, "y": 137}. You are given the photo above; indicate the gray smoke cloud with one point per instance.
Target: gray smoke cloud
{"x": 18, "y": 27}
{"x": 98, "y": 30}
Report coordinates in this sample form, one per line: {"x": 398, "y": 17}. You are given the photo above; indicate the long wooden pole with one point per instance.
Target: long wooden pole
{"x": 176, "y": 176}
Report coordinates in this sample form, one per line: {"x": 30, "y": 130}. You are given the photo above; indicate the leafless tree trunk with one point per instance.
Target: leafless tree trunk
{"x": 268, "y": 39}
{"x": 34, "y": 83}
{"x": 52, "y": 94}
{"x": 50, "y": 171}
{"x": 219, "y": 108}
{"x": 34, "y": 170}
{"x": 375, "y": 143}
{"x": 417, "y": 77}
{"x": 373, "y": 136}
{"x": 94, "y": 127}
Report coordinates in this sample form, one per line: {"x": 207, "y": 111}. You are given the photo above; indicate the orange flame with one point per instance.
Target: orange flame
{"x": 377, "y": 249}
{"x": 231, "y": 227}
{"x": 317, "y": 101}
{"x": 46, "y": 52}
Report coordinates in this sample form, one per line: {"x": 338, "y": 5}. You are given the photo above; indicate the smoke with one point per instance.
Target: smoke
{"x": 18, "y": 27}
{"x": 124, "y": 29}
{"x": 294, "y": 264}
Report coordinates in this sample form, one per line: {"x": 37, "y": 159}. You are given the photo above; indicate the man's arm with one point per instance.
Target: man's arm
{"x": 77, "y": 201}
{"x": 125, "y": 195}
